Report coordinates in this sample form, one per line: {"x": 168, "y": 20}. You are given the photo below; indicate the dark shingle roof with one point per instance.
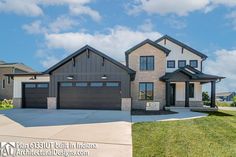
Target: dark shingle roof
{"x": 203, "y": 56}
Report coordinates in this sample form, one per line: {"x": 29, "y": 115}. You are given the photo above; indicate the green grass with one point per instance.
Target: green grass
{"x": 212, "y": 136}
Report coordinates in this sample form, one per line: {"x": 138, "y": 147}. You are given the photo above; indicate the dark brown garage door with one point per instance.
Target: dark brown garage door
{"x": 90, "y": 95}
{"x": 35, "y": 95}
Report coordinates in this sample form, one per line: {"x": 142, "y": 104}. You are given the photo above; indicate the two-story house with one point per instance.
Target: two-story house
{"x": 168, "y": 71}
{"x": 6, "y": 82}
{"x": 165, "y": 71}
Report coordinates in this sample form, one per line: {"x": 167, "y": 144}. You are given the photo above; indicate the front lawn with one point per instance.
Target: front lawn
{"x": 212, "y": 136}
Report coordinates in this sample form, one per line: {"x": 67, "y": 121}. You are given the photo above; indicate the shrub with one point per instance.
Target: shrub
{"x": 233, "y": 104}
{"x": 6, "y": 104}
{"x": 223, "y": 104}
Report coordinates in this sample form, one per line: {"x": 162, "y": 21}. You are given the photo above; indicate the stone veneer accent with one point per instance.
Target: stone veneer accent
{"x": 191, "y": 104}
{"x": 17, "y": 102}
{"x": 52, "y": 102}
{"x": 126, "y": 104}
{"x": 148, "y": 76}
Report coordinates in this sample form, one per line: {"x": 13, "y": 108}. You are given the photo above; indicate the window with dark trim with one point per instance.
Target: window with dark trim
{"x": 81, "y": 84}
{"x": 3, "y": 83}
{"x": 30, "y": 85}
{"x": 191, "y": 90}
{"x": 145, "y": 91}
{"x": 112, "y": 84}
{"x": 181, "y": 63}
{"x": 96, "y": 84}
{"x": 171, "y": 64}
{"x": 146, "y": 63}
{"x": 8, "y": 79}
{"x": 42, "y": 85}
{"x": 193, "y": 63}
{"x": 66, "y": 84}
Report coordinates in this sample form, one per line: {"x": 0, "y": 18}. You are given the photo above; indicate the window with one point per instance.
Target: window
{"x": 42, "y": 85}
{"x": 96, "y": 84}
{"x": 30, "y": 85}
{"x": 8, "y": 79}
{"x": 146, "y": 91}
{"x": 181, "y": 63}
{"x": 3, "y": 83}
{"x": 112, "y": 84}
{"x": 171, "y": 64}
{"x": 147, "y": 63}
{"x": 81, "y": 84}
{"x": 66, "y": 84}
{"x": 191, "y": 90}
{"x": 193, "y": 63}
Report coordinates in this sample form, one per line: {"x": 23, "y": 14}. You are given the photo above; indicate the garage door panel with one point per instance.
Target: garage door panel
{"x": 35, "y": 95}
{"x": 90, "y": 97}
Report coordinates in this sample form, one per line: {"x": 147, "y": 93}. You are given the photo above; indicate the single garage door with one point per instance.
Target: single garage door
{"x": 90, "y": 95}
{"x": 35, "y": 95}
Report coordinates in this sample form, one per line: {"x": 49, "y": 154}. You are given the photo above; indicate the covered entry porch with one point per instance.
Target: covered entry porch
{"x": 184, "y": 87}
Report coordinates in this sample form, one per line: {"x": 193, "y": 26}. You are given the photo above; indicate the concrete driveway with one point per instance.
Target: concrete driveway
{"x": 108, "y": 131}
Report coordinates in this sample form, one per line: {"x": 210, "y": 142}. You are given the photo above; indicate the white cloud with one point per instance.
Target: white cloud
{"x": 180, "y": 7}
{"x": 84, "y": 10}
{"x": 232, "y": 18}
{"x": 61, "y": 23}
{"x": 223, "y": 65}
{"x": 114, "y": 43}
{"x": 146, "y": 26}
{"x": 21, "y": 7}
{"x": 176, "y": 22}
{"x": 33, "y": 7}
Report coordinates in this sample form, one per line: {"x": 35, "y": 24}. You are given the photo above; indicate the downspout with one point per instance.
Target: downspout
{"x": 202, "y": 62}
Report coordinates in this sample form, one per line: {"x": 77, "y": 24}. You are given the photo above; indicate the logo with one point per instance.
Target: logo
{"x": 7, "y": 149}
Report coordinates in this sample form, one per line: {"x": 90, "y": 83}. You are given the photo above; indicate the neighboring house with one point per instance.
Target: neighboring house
{"x": 225, "y": 96}
{"x": 165, "y": 71}
{"x": 6, "y": 82}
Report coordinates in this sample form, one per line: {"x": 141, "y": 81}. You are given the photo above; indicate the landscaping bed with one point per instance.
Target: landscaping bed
{"x": 214, "y": 135}
{"x": 6, "y": 104}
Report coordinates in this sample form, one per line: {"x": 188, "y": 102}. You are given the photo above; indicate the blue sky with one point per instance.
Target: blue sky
{"x": 41, "y": 32}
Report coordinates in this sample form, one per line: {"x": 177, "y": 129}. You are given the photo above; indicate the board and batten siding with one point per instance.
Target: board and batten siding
{"x": 89, "y": 69}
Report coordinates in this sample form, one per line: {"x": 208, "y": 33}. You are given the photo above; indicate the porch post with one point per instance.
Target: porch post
{"x": 168, "y": 93}
{"x": 187, "y": 94}
{"x": 213, "y": 94}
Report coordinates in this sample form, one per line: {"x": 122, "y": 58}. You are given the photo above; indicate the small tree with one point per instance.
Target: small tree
{"x": 234, "y": 101}
{"x": 205, "y": 96}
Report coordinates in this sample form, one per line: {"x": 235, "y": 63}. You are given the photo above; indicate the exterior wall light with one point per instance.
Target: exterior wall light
{"x": 70, "y": 77}
{"x": 104, "y": 77}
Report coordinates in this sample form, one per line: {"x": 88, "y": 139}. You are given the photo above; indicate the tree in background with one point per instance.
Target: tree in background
{"x": 234, "y": 101}
{"x": 205, "y": 98}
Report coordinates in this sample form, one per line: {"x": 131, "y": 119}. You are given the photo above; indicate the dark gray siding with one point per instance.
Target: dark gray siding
{"x": 90, "y": 69}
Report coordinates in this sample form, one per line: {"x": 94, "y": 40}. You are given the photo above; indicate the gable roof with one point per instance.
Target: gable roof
{"x": 20, "y": 66}
{"x": 224, "y": 94}
{"x": 192, "y": 73}
{"x": 148, "y": 41}
{"x": 203, "y": 56}
{"x": 83, "y": 49}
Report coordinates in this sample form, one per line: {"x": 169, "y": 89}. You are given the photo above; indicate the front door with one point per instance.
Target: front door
{"x": 172, "y": 94}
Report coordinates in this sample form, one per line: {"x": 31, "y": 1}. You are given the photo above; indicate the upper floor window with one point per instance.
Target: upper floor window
{"x": 191, "y": 90}
{"x": 147, "y": 63}
{"x": 145, "y": 91}
{"x": 3, "y": 83}
{"x": 193, "y": 63}
{"x": 181, "y": 63}
{"x": 171, "y": 64}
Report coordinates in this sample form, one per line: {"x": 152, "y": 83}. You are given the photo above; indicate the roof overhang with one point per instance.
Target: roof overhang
{"x": 189, "y": 73}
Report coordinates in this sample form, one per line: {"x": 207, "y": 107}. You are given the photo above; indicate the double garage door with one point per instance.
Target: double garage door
{"x": 89, "y": 95}
{"x": 34, "y": 95}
